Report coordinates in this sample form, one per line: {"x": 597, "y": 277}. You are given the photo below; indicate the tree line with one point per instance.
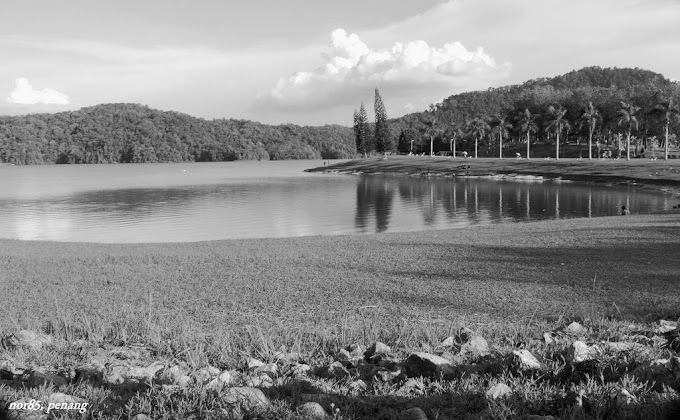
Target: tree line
{"x": 130, "y": 133}
{"x": 625, "y": 110}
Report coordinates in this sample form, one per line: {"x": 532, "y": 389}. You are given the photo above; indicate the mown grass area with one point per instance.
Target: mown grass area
{"x": 658, "y": 173}
{"x": 223, "y": 301}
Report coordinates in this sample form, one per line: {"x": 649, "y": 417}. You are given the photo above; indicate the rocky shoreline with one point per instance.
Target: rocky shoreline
{"x": 565, "y": 357}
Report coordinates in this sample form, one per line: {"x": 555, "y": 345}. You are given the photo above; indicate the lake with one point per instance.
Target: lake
{"x": 182, "y": 202}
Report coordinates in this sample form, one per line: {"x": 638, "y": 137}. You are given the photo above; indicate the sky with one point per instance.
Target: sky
{"x": 312, "y": 62}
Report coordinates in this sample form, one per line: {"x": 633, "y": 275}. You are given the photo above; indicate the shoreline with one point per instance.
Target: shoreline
{"x": 658, "y": 175}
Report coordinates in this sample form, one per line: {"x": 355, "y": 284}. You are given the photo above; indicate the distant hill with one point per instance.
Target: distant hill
{"x": 604, "y": 87}
{"x": 124, "y": 133}
{"x": 121, "y": 133}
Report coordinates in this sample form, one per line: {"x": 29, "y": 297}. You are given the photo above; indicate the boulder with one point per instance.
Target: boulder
{"x": 580, "y": 352}
{"x": 205, "y": 374}
{"x": 300, "y": 369}
{"x": 173, "y": 375}
{"x": 524, "y": 360}
{"x": 550, "y": 338}
{"x": 27, "y": 339}
{"x": 312, "y": 410}
{"x": 576, "y": 329}
{"x": 470, "y": 345}
{"x": 254, "y": 363}
{"x": 223, "y": 379}
{"x": 428, "y": 365}
{"x": 666, "y": 326}
{"x": 334, "y": 371}
{"x": 498, "y": 391}
{"x": 246, "y": 398}
{"x": 377, "y": 351}
{"x": 269, "y": 369}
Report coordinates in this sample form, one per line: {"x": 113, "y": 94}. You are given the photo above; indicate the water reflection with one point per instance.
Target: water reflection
{"x": 375, "y": 196}
{"x": 441, "y": 203}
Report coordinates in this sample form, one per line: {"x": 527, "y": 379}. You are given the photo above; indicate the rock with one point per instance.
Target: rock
{"x": 260, "y": 381}
{"x": 205, "y": 374}
{"x": 254, "y": 364}
{"x": 576, "y": 329}
{"x": 377, "y": 351}
{"x": 498, "y": 391}
{"x": 550, "y": 338}
{"x": 428, "y": 365}
{"x": 312, "y": 410}
{"x": 173, "y": 375}
{"x": 343, "y": 355}
{"x": 414, "y": 413}
{"x": 61, "y": 398}
{"x": 625, "y": 346}
{"x": 269, "y": 369}
{"x": 356, "y": 351}
{"x": 37, "y": 378}
{"x": 524, "y": 360}
{"x": 333, "y": 371}
{"x": 27, "y": 339}
{"x": 580, "y": 352}
{"x": 141, "y": 416}
{"x": 223, "y": 379}
{"x": 246, "y": 398}
{"x": 666, "y": 326}
{"x": 475, "y": 347}
{"x": 301, "y": 369}
{"x": 448, "y": 342}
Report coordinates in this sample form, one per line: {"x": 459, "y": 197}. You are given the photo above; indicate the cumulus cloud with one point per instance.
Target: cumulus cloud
{"x": 24, "y": 94}
{"x": 351, "y": 67}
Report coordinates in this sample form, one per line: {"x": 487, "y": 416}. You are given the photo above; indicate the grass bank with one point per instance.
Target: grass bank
{"x": 653, "y": 173}
{"x": 220, "y": 302}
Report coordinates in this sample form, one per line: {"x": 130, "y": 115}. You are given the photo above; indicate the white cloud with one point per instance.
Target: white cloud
{"x": 24, "y": 94}
{"x": 352, "y": 68}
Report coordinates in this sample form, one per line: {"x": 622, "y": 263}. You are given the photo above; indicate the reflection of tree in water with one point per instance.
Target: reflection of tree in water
{"x": 375, "y": 195}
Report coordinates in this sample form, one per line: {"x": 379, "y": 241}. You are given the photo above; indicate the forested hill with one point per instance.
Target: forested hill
{"x": 606, "y": 88}
{"x": 134, "y": 133}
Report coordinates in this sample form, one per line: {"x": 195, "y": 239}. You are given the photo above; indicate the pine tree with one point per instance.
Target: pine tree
{"x": 361, "y": 130}
{"x": 382, "y": 133}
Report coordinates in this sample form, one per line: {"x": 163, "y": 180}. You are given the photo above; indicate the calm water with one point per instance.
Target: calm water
{"x": 180, "y": 202}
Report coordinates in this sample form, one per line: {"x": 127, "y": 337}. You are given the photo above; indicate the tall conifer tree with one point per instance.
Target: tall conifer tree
{"x": 382, "y": 133}
{"x": 361, "y": 129}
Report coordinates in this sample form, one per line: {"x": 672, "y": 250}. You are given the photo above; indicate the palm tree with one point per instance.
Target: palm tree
{"x": 591, "y": 117}
{"x": 432, "y": 129}
{"x": 455, "y": 132}
{"x": 478, "y": 128}
{"x": 501, "y": 126}
{"x": 667, "y": 111}
{"x": 527, "y": 125}
{"x": 557, "y": 124}
{"x": 628, "y": 120}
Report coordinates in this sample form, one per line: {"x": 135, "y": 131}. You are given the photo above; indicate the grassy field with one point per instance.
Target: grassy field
{"x": 220, "y": 302}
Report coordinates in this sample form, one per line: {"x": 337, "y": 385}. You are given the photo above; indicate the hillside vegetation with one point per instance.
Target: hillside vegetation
{"x": 124, "y": 133}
